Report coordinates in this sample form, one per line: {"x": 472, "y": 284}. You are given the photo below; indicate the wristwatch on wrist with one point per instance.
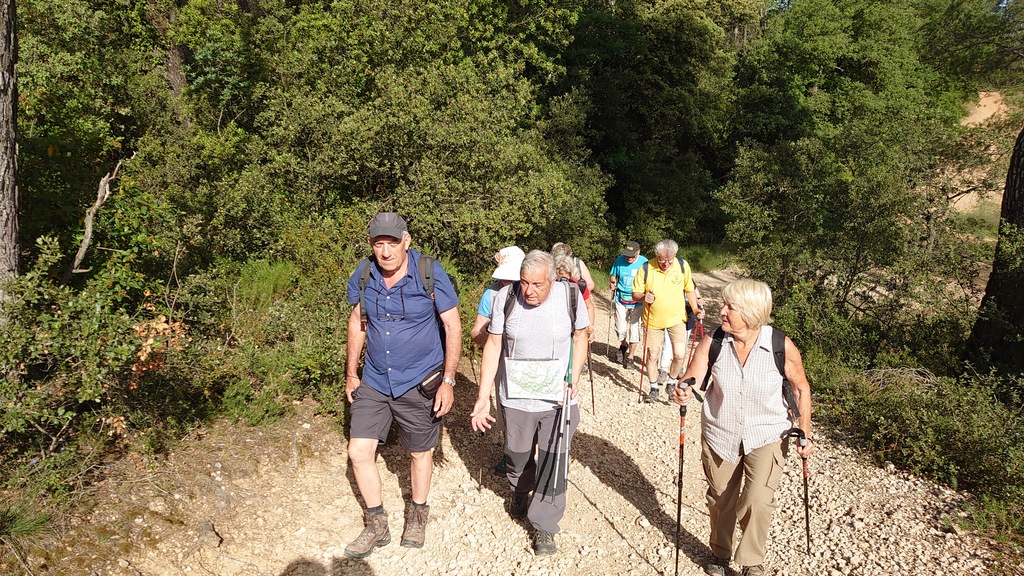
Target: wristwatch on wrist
{"x": 448, "y": 381}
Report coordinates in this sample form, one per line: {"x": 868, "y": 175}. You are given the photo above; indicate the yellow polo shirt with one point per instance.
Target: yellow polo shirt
{"x": 670, "y": 288}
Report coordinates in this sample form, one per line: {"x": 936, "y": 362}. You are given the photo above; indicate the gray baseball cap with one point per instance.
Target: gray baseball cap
{"x": 387, "y": 224}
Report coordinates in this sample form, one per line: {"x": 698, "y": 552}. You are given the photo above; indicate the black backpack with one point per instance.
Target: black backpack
{"x": 426, "y": 268}
{"x": 778, "y": 350}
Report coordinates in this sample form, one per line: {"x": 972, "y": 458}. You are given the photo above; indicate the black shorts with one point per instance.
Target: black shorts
{"x": 372, "y": 412}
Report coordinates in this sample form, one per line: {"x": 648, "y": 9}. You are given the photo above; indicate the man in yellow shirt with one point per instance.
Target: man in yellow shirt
{"x": 665, "y": 291}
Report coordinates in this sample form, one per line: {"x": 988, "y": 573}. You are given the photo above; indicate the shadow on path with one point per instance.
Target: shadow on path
{"x": 617, "y": 470}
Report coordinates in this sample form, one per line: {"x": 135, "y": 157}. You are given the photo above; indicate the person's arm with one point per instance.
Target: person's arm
{"x": 478, "y": 333}
{"x": 691, "y": 297}
{"x": 585, "y": 274}
{"x": 354, "y": 349}
{"x": 592, "y": 314}
{"x": 801, "y": 393}
{"x": 697, "y": 370}
{"x": 445, "y": 397}
{"x": 480, "y": 419}
{"x": 579, "y": 358}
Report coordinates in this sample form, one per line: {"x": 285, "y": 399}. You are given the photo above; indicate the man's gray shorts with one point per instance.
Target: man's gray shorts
{"x": 372, "y": 412}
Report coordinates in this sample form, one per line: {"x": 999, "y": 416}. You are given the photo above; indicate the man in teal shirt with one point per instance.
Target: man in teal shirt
{"x": 627, "y": 310}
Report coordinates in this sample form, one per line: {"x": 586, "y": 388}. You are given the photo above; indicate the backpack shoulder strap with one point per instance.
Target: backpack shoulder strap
{"x": 510, "y": 300}
{"x": 572, "y": 301}
{"x": 645, "y": 274}
{"x": 716, "y": 349}
{"x": 779, "y": 351}
{"x": 364, "y": 279}
{"x": 426, "y": 264}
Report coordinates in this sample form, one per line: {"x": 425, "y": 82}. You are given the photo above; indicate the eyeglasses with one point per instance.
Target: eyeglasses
{"x": 668, "y": 261}
{"x": 385, "y": 316}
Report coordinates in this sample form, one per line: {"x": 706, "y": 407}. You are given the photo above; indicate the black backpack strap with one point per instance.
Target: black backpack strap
{"x": 510, "y": 300}
{"x": 573, "y": 300}
{"x": 364, "y": 278}
{"x": 645, "y": 274}
{"x": 779, "y": 351}
{"x": 426, "y": 265}
{"x": 716, "y": 349}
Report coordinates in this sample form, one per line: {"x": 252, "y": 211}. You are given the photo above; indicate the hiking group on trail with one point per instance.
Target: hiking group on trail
{"x": 536, "y": 325}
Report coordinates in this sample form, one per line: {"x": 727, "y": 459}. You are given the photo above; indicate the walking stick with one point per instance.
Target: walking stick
{"x": 643, "y": 358}
{"x": 593, "y": 408}
{"x": 563, "y": 427}
{"x": 802, "y": 438}
{"x": 679, "y": 481}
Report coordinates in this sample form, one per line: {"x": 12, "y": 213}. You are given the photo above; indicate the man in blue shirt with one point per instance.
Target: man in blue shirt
{"x": 404, "y": 361}
{"x": 627, "y": 310}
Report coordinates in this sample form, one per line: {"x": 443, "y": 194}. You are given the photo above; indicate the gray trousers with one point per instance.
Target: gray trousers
{"x": 525, "y": 432}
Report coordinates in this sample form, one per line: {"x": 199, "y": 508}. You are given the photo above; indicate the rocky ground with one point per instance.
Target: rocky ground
{"x": 279, "y": 501}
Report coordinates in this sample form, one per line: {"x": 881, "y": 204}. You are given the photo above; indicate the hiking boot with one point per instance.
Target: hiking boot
{"x": 653, "y": 395}
{"x": 518, "y": 506}
{"x": 374, "y": 534}
{"x": 623, "y": 350}
{"x": 501, "y": 467}
{"x": 669, "y": 386}
{"x": 662, "y": 376}
{"x": 717, "y": 567}
{"x": 753, "y": 571}
{"x": 415, "y": 525}
{"x": 629, "y": 364}
{"x": 544, "y": 543}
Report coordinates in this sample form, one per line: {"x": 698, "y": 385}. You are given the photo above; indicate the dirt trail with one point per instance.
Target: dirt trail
{"x": 279, "y": 501}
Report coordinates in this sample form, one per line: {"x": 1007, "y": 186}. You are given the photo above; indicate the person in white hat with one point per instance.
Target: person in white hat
{"x": 509, "y": 260}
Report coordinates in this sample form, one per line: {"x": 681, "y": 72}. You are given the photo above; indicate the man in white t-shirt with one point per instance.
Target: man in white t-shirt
{"x": 535, "y": 349}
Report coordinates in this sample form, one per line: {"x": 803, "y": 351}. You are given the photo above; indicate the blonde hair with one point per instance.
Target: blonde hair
{"x": 751, "y": 299}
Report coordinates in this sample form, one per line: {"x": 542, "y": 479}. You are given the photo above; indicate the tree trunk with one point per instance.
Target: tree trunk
{"x": 997, "y": 339}
{"x": 8, "y": 146}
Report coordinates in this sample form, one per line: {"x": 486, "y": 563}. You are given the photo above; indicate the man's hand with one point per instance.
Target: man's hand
{"x": 480, "y": 419}
{"x": 649, "y": 298}
{"x": 444, "y": 400}
{"x": 351, "y": 383}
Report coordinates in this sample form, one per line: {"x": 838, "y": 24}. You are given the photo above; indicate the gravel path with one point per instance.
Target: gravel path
{"x": 279, "y": 501}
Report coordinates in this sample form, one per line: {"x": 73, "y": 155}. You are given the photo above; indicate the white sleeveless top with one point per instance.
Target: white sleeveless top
{"x": 744, "y": 409}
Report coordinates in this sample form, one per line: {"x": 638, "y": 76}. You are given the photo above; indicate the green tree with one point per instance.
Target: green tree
{"x": 839, "y": 123}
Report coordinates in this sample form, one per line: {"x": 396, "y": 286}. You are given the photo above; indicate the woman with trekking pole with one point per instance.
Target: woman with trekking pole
{"x": 747, "y": 416}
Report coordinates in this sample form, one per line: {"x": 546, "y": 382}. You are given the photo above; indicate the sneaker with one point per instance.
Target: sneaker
{"x": 629, "y": 364}
{"x": 753, "y": 571}
{"x": 544, "y": 543}
{"x": 374, "y": 534}
{"x": 518, "y": 506}
{"x": 653, "y": 395}
{"x": 415, "y": 525}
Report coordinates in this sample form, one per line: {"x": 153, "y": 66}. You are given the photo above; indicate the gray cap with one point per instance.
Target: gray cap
{"x": 387, "y": 224}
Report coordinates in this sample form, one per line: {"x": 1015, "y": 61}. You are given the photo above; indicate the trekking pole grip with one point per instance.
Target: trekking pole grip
{"x": 691, "y": 383}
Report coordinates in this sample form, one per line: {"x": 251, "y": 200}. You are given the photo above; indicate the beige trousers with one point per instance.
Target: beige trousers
{"x": 743, "y": 494}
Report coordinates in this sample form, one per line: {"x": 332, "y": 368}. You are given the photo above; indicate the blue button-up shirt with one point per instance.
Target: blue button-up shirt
{"x": 403, "y": 342}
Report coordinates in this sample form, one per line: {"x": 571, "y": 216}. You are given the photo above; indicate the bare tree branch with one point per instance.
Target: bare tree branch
{"x": 102, "y": 195}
